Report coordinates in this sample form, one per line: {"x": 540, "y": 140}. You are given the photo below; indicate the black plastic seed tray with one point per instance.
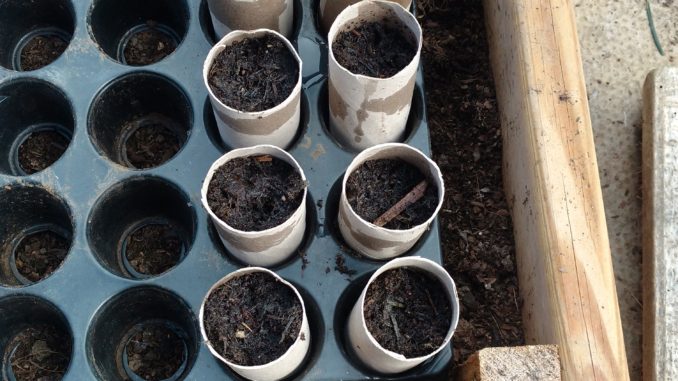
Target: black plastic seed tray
{"x": 91, "y": 196}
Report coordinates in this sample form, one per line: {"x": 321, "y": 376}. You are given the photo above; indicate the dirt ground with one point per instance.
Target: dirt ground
{"x": 477, "y": 235}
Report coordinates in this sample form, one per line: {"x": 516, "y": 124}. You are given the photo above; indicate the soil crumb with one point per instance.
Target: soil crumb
{"x": 41, "y": 51}
{"x": 407, "y": 312}
{"x": 39, "y": 254}
{"x": 254, "y": 74}
{"x": 155, "y": 353}
{"x": 375, "y": 49}
{"x": 41, "y": 149}
{"x": 252, "y": 319}
{"x": 377, "y": 185}
{"x": 42, "y": 353}
{"x": 255, "y": 193}
{"x": 340, "y": 265}
{"x": 151, "y": 145}
{"x": 154, "y": 249}
{"x": 148, "y": 46}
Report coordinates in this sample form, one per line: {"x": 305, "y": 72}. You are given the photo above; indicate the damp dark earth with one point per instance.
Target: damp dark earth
{"x": 39, "y": 254}
{"x": 148, "y": 46}
{"x": 255, "y": 74}
{"x": 377, "y": 185}
{"x": 375, "y": 49}
{"x": 252, "y": 319}
{"x": 155, "y": 352}
{"x": 41, "y": 51}
{"x": 39, "y": 353}
{"x": 41, "y": 149}
{"x": 151, "y": 144}
{"x": 255, "y": 193}
{"x": 153, "y": 249}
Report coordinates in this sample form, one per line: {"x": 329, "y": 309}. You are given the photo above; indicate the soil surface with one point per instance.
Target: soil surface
{"x": 252, "y": 319}
{"x": 255, "y": 193}
{"x": 476, "y": 230}
{"x": 407, "y": 312}
{"x": 155, "y": 353}
{"x": 148, "y": 46}
{"x": 41, "y": 149}
{"x": 41, "y": 51}
{"x": 42, "y": 354}
{"x": 375, "y": 186}
{"x": 39, "y": 254}
{"x": 375, "y": 49}
{"x": 154, "y": 249}
{"x": 254, "y": 74}
{"x": 151, "y": 145}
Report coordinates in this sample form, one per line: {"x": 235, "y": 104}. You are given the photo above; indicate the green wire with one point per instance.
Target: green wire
{"x": 655, "y": 37}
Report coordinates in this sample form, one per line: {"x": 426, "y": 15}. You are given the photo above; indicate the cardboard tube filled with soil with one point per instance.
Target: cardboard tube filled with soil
{"x": 230, "y": 15}
{"x": 330, "y": 9}
{"x": 390, "y": 195}
{"x": 268, "y": 343}
{"x": 254, "y": 84}
{"x": 374, "y": 49}
{"x": 406, "y": 314}
{"x": 256, "y": 197}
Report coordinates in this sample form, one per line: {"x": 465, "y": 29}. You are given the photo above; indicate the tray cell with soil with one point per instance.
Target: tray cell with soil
{"x": 141, "y": 228}
{"x": 143, "y": 333}
{"x": 256, "y": 198}
{"x": 406, "y": 314}
{"x": 255, "y": 322}
{"x": 140, "y": 120}
{"x": 38, "y": 124}
{"x": 35, "y": 340}
{"x": 34, "y": 34}
{"x": 390, "y": 195}
{"x": 254, "y": 83}
{"x": 374, "y": 52}
{"x": 138, "y": 33}
{"x": 230, "y": 15}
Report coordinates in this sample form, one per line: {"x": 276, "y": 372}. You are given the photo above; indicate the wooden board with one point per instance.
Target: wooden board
{"x": 660, "y": 226}
{"x": 551, "y": 181}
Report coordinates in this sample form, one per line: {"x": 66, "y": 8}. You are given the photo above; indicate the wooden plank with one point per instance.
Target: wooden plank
{"x": 552, "y": 184}
{"x": 528, "y": 363}
{"x": 660, "y": 226}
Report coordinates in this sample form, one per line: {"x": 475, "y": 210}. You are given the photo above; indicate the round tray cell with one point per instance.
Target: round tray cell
{"x": 141, "y": 227}
{"x": 34, "y": 34}
{"x": 37, "y": 126}
{"x": 140, "y": 120}
{"x": 413, "y": 121}
{"x": 36, "y": 234}
{"x": 212, "y": 127}
{"x": 25, "y": 320}
{"x": 139, "y": 33}
{"x": 117, "y": 327}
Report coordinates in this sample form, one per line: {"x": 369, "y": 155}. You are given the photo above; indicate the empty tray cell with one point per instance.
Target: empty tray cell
{"x": 141, "y": 227}
{"x": 33, "y": 34}
{"x": 35, "y": 339}
{"x": 138, "y": 33}
{"x": 140, "y": 120}
{"x": 142, "y": 331}
{"x": 36, "y": 233}
{"x": 37, "y": 126}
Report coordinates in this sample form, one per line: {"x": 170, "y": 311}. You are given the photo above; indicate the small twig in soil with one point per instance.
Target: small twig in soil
{"x": 287, "y": 328}
{"x": 395, "y": 328}
{"x": 410, "y": 198}
{"x": 264, "y": 159}
{"x": 430, "y": 300}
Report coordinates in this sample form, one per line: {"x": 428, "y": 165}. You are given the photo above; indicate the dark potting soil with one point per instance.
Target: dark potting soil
{"x": 375, "y": 49}
{"x": 252, "y": 319}
{"x": 407, "y": 312}
{"x": 254, "y": 74}
{"x": 42, "y": 354}
{"x": 41, "y": 51}
{"x": 151, "y": 145}
{"x": 377, "y": 185}
{"x": 40, "y": 150}
{"x": 255, "y": 193}
{"x": 148, "y": 46}
{"x": 39, "y": 254}
{"x": 155, "y": 352}
{"x": 154, "y": 249}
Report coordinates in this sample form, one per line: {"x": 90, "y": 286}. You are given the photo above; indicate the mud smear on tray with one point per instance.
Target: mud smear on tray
{"x": 254, "y": 74}
{"x": 255, "y": 193}
{"x": 252, "y": 319}
{"x": 476, "y": 229}
{"x": 375, "y": 49}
